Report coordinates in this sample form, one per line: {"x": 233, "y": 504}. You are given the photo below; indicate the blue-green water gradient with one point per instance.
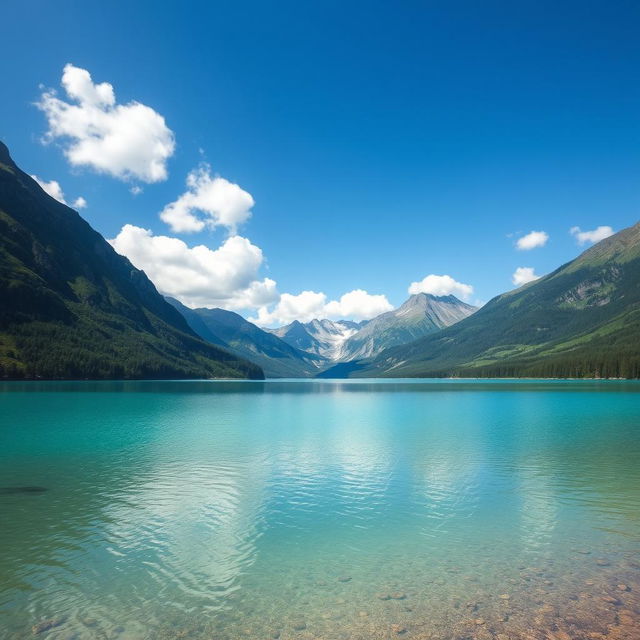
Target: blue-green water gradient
{"x": 298, "y": 509}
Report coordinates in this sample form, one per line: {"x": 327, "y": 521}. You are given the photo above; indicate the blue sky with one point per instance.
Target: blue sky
{"x": 379, "y": 142}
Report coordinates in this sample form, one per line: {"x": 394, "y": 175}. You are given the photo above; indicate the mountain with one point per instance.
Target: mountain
{"x": 196, "y": 323}
{"x": 73, "y": 308}
{"x": 582, "y": 320}
{"x": 343, "y": 340}
{"x": 230, "y": 330}
{"x": 320, "y": 337}
{"x": 420, "y": 315}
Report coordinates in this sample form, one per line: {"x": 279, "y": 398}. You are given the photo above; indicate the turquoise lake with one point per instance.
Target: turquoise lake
{"x": 320, "y": 509}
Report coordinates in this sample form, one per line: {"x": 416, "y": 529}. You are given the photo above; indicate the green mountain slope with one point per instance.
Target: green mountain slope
{"x": 582, "y": 320}
{"x": 71, "y": 307}
{"x": 419, "y": 316}
{"x": 277, "y": 358}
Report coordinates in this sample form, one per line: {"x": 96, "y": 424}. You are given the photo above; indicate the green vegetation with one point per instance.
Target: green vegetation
{"x": 70, "y": 307}
{"x": 582, "y": 320}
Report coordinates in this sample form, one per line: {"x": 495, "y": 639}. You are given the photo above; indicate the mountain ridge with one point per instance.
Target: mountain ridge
{"x": 74, "y": 308}
{"x": 581, "y": 320}
{"x": 321, "y": 337}
{"x": 421, "y": 314}
{"x": 277, "y": 358}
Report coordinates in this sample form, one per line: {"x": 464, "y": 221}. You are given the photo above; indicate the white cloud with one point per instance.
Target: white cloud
{"x": 308, "y": 305}
{"x": 54, "y": 189}
{"x": 441, "y": 286}
{"x": 304, "y": 306}
{"x": 358, "y": 304}
{"x": 522, "y": 275}
{"x": 136, "y": 190}
{"x": 532, "y": 240}
{"x": 595, "y": 235}
{"x": 198, "y": 276}
{"x": 125, "y": 141}
{"x": 220, "y": 203}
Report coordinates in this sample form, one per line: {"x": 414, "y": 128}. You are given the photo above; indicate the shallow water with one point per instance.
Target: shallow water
{"x": 304, "y": 509}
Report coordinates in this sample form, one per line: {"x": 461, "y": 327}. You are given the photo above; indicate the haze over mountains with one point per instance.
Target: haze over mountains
{"x": 74, "y": 308}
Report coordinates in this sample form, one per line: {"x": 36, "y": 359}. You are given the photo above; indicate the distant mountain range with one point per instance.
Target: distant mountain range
{"x": 307, "y": 349}
{"x": 419, "y": 316}
{"x": 230, "y": 330}
{"x": 325, "y": 338}
{"x": 71, "y": 307}
{"x": 582, "y": 320}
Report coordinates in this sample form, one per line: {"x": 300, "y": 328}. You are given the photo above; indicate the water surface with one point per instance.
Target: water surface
{"x": 320, "y": 509}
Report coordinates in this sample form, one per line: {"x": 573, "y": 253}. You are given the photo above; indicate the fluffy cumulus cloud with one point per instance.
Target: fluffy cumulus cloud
{"x": 308, "y": 305}
{"x": 532, "y": 240}
{"x": 54, "y": 189}
{"x": 595, "y": 235}
{"x": 199, "y": 276}
{"x": 123, "y": 140}
{"x": 441, "y": 286}
{"x": 210, "y": 201}
{"x": 522, "y": 275}
{"x": 358, "y": 304}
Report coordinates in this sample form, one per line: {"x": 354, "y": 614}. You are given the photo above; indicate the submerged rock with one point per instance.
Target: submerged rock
{"x": 7, "y": 491}
{"x": 46, "y": 625}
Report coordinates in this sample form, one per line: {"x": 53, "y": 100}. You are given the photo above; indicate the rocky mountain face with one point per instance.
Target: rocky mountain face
{"x": 419, "y": 316}
{"x": 582, "y": 320}
{"x": 324, "y": 338}
{"x": 71, "y": 307}
{"x": 343, "y": 340}
{"x": 230, "y": 330}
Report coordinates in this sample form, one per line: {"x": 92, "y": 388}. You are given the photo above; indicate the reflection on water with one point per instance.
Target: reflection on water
{"x": 320, "y": 509}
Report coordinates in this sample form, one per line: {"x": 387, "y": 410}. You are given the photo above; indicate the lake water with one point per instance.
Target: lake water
{"x": 320, "y": 509}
